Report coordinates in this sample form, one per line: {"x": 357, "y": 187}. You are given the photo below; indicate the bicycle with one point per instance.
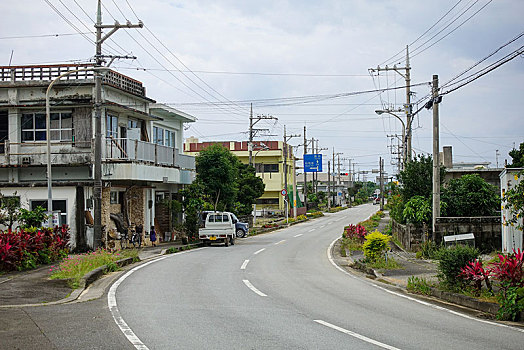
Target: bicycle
{"x": 136, "y": 239}
{"x": 124, "y": 238}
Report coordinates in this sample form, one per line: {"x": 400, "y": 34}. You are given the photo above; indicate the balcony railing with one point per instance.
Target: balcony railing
{"x": 116, "y": 150}
{"x": 130, "y": 150}
{"x": 49, "y": 72}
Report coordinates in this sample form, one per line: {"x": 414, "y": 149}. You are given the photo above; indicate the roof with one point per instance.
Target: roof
{"x": 164, "y": 110}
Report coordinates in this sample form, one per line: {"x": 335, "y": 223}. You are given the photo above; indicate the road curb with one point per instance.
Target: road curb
{"x": 487, "y": 308}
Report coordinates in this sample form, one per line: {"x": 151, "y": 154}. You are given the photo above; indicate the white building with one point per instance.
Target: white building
{"x": 142, "y": 162}
{"x": 511, "y": 237}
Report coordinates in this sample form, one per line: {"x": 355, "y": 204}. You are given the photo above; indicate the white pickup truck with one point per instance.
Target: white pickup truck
{"x": 218, "y": 227}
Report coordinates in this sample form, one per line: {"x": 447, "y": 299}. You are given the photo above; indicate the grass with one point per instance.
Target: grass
{"x": 75, "y": 267}
{"x": 391, "y": 264}
{"x": 350, "y": 244}
{"x": 419, "y": 285}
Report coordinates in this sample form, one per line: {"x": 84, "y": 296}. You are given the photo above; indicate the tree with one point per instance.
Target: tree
{"x": 470, "y": 195}
{"x": 192, "y": 204}
{"x": 416, "y": 178}
{"x": 250, "y": 187}
{"x": 9, "y": 210}
{"x": 518, "y": 157}
{"x": 217, "y": 172}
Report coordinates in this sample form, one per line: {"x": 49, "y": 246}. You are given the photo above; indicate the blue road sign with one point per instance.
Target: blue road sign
{"x": 313, "y": 163}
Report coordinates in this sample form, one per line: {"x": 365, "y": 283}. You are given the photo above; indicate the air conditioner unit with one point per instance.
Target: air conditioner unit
{"x": 26, "y": 160}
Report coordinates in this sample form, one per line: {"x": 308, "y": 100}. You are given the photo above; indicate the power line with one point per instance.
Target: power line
{"x": 483, "y": 59}
{"x": 43, "y": 35}
{"x": 315, "y": 75}
{"x": 457, "y": 27}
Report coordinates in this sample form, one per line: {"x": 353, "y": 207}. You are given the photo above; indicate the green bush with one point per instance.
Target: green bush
{"x": 428, "y": 250}
{"x": 375, "y": 245}
{"x": 451, "y": 261}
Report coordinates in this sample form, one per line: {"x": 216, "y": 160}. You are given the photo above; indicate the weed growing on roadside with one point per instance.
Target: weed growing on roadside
{"x": 419, "y": 285}
{"x": 75, "y": 267}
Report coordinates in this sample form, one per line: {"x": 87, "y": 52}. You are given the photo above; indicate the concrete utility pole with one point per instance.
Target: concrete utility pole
{"x": 381, "y": 167}
{"x": 253, "y": 132}
{"x": 286, "y": 172}
{"x": 329, "y": 186}
{"x": 304, "y": 190}
{"x": 97, "y": 188}
{"x": 436, "y": 162}
{"x": 407, "y": 107}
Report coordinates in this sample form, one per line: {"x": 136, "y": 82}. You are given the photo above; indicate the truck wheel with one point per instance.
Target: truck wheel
{"x": 240, "y": 233}
{"x": 226, "y": 241}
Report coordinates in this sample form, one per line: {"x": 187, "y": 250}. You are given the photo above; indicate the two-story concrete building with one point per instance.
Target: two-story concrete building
{"x": 141, "y": 162}
{"x": 268, "y": 159}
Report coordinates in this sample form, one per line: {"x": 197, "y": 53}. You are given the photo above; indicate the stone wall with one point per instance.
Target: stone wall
{"x": 487, "y": 230}
{"x": 409, "y": 235}
{"x": 106, "y": 209}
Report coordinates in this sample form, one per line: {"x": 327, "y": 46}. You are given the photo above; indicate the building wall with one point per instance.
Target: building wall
{"x": 274, "y": 181}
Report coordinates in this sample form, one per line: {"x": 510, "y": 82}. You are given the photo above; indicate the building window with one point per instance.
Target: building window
{"x": 113, "y": 197}
{"x": 34, "y": 126}
{"x": 170, "y": 138}
{"x": 133, "y": 124}
{"x": 267, "y": 201}
{"x": 271, "y": 168}
{"x": 158, "y": 135}
{"x": 60, "y": 205}
{"x": 111, "y": 126}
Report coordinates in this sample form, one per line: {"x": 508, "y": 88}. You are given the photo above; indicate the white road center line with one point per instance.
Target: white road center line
{"x": 244, "y": 265}
{"x": 313, "y": 229}
{"x": 322, "y": 226}
{"x": 259, "y": 251}
{"x": 300, "y": 234}
{"x": 282, "y": 241}
{"x": 250, "y": 286}
{"x": 356, "y": 335}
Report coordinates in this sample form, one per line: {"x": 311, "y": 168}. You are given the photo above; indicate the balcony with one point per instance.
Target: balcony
{"x": 114, "y": 151}
{"x": 18, "y": 74}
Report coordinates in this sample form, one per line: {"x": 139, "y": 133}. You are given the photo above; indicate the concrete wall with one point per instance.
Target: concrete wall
{"x": 409, "y": 235}
{"x": 487, "y": 230}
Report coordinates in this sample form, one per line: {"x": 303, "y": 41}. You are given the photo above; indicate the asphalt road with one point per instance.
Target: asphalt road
{"x": 281, "y": 291}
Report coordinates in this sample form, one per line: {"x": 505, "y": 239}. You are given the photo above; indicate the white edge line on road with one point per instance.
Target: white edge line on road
{"x": 259, "y": 251}
{"x": 282, "y": 241}
{"x": 250, "y": 286}
{"x": 356, "y": 335}
{"x": 322, "y": 226}
{"x": 244, "y": 265}
{"x": 330, "y": 258}
{"x": 112, "y": 304}
{"x": 300, "y": 234}
{"x": 313, "y": 229}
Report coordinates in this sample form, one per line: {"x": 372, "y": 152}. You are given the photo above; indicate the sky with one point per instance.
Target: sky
{"x": 305, "y": 63}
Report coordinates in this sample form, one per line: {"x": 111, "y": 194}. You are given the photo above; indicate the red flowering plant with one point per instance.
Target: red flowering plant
{"x": 475, "y": 271}
{"x": 355, "y": 232}
{"x": 28, "y": 248}
{"x": 508, "y": 270}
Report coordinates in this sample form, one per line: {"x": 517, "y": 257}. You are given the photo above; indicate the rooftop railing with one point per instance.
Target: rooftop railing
{"x": 15, "y": 74}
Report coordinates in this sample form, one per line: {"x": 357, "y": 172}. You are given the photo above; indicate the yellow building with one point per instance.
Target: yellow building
{"x": 269, "y": 160}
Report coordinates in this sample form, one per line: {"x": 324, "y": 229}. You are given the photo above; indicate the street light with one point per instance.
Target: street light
{"x": 404, "y": 153}
{"x": 48, "y": 133}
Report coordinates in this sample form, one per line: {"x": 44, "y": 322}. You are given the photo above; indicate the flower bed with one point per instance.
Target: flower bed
{"x": 28, "y": 248}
